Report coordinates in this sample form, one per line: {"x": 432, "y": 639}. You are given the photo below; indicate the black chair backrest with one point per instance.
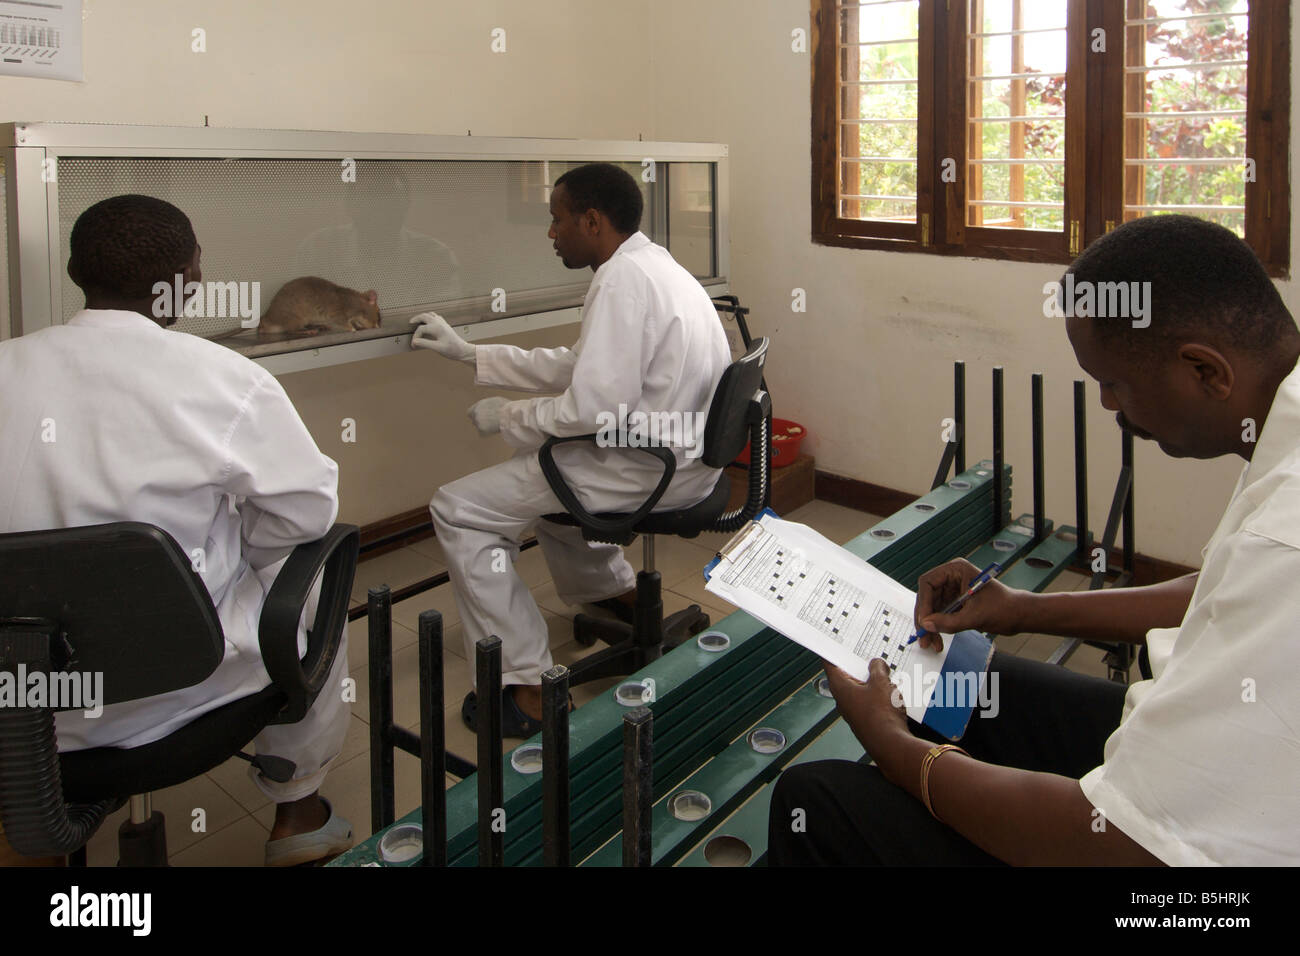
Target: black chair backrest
{"x": 127, "y": 599}
{"x": 726, "y": 430}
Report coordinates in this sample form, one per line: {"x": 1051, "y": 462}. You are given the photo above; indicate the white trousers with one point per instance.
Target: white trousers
{"x": 313, "y": 742}
{"x": 480, "y": 520}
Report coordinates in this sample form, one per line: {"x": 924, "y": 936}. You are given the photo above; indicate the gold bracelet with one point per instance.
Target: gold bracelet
{"x": 931, "y": 756}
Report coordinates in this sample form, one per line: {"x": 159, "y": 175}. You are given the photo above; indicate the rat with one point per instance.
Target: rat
{"x": 310, "y": 305}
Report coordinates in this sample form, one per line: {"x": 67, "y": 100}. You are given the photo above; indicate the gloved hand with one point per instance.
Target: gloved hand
{"x": 434, "y": 333}
{"x": 486, "y": 414}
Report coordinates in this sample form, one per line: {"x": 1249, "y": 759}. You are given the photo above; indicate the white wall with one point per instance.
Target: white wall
{"x": 867, "y": 368}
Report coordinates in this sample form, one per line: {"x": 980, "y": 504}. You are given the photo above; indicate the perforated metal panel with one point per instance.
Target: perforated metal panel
{"x": 421, "y": 233}
{"x": 4, "y": 259}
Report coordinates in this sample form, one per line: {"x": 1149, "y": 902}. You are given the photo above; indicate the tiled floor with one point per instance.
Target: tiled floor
{"x": 222, "y": 819}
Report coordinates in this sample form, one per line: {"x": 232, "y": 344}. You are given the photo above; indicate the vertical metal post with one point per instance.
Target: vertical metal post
{"x": 1083, "y": 538}
{"x": 1036, "y": 403}
{"x": 382, "y": 788}
{"x": 1126, "y": 461}
{"x": 491, "y": 813}
{"x": 638, "y": 786}
{"x": 433, "y": 742}
{"x": 959, "y": 411}
{"x": 555, "y": 767}
{"x": 999, "y": 495}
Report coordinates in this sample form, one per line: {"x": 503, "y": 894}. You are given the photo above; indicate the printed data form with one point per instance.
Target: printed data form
{"x": 823, "y": 597}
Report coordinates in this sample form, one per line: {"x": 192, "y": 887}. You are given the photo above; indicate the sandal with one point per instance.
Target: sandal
{"x": 330, "y": 840}
{"x": 514, "y": 722}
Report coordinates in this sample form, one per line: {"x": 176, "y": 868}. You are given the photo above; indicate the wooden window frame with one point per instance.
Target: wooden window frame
{"x": 1094, "y": 141}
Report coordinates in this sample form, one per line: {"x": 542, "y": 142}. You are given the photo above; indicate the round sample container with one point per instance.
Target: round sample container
{"x": 633, "y": 693}
{"x": 402, "y": 844}
{"x": 767, "y": 740}
{"x": 527, "y": 758}
{"x": 715, "y": 642}
{"x": 824, "y": 686}
{"x": 690, "y": 805}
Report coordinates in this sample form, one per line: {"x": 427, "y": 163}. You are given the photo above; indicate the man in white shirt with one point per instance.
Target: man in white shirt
{"x": 650, "y": 342}
{"x": 1198, "y": 765}
{"x": 110, "y": 417}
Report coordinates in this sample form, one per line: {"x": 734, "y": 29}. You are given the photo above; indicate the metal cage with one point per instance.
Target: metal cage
{"x": 454, "y": 224}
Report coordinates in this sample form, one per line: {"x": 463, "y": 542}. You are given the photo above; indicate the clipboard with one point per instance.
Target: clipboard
{"x": 748, "y": 572}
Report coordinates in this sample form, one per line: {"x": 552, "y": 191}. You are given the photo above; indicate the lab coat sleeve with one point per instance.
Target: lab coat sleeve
{"x": 285, "y": 489}
{"x": 527, "y": 370}
{"x": 608, "y": 371}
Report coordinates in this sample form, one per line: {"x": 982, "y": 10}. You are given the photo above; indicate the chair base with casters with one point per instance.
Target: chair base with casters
{"x": 145, "y": 596}
{"x": 740, "y": 412}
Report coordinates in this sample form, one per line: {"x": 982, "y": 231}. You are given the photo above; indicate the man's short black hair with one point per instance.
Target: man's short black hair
{"x": 121, "y": 246}
{"x": 1206, "y": 284}
{"x": 607, "y": 188}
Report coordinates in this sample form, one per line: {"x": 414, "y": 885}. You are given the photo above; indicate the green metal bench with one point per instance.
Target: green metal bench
{"x": 703, "y": 700}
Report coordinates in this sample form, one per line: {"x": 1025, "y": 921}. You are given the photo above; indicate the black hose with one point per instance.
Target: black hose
{"x": 760, "y": 436}
{"x": 37, "y": 822}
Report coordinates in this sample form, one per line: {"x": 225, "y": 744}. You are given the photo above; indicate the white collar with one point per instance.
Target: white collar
{"x": 1279, "y": 436}
{"x": 114, "y": 319}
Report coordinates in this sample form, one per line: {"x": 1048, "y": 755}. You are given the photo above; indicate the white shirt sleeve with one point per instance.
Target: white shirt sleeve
{"x": 608, "y": 371}
{"x": 527, "y": 370}
{"x": 285, "y": 489}
{"x": 1205, "y": 767}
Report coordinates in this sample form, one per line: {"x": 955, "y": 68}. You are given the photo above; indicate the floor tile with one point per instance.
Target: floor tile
{"x": 177, "y": 805}
{"x": 359, "y": 639}
{"x": 833, "y": 521}
{"x": 396, "y": 569}
{"x": 243, "y": 843}
{"x": 441, "y": 599}
{"x": 675, "y": 558}
{"x": 406, "y": 682}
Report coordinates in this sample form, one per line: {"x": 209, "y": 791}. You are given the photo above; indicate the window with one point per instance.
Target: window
{"x": 1024, "y": 129}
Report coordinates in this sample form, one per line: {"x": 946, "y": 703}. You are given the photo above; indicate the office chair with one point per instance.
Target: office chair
{"x": 122, "y": 600}
{"x": 740, "y": 411}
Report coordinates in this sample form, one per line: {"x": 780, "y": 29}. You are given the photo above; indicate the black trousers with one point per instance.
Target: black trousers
{"x": 1048, "y": 719}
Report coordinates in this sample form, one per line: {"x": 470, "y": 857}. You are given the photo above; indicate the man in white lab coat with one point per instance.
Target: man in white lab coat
{"x": 110, "y": 417}
{"x": 650, "y": 342}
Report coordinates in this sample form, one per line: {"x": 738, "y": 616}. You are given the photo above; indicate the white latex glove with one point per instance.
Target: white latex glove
{"x": 434, "y": 333}
{"x": 486, "y": 414}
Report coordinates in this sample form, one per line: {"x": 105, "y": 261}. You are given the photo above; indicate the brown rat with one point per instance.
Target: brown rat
{"x": 310, "y": 305}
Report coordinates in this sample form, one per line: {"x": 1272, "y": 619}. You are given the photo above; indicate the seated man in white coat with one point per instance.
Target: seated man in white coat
{"x": 173, "y": 430}
{"x": 650, "y": 342}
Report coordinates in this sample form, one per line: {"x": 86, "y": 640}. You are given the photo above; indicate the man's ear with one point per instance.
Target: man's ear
{"x": 190, "y": 272}
{"x": 1212, "y": 370}
{"x": 73, "y": 273}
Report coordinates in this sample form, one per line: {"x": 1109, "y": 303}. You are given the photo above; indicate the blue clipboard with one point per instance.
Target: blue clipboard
{"x": 969, "y": 653}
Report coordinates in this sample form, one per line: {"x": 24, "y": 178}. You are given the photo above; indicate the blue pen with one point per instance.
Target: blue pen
{"x": 981, "y": 579}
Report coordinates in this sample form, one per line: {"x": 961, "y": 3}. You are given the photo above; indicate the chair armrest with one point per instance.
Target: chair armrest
{"x": 619, "y": 531}
{"x": 277, "y": 631}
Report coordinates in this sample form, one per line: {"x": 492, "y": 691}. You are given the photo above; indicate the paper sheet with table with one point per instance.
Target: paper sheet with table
{"x": 838, "y": 606}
